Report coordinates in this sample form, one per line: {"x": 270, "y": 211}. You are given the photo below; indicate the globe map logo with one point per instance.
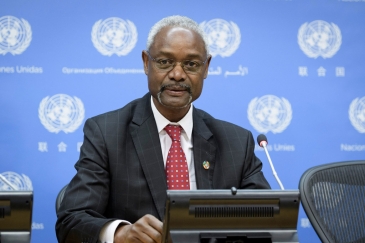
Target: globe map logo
{"x": 15, "y": 35}
{"x": 319, "y": 38}
{"x": 114, "y": 36}
{"x": 20, "y": 182}
{"x": 224, "y": 37}
{"x": 357, "y": 114}
{"x": 61, "y": 112}
{"x": 269, "y": 113}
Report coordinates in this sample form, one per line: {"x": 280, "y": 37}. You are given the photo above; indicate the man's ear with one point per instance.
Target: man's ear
{"x": 207, "y": 66}
{"x": 145, "y": 62}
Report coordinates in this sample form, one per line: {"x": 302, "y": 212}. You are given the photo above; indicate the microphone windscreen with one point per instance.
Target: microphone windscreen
{"x": 261, "y": 138}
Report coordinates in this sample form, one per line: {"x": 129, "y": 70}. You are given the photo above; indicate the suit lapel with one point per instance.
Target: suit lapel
{"x": 203, "y": 151}
{"x": 147, "y": 143}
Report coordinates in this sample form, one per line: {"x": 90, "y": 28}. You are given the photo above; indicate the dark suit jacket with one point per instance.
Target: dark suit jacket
{"x": 120, "y": 173}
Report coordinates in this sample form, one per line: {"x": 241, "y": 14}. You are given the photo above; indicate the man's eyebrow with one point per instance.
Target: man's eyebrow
{"x": 188, "y": 56}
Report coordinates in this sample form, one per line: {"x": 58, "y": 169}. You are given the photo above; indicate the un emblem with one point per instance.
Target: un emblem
{"x": 223, "y": 37}
{"x": 20, "y": 182}
{"x": 269, "y": 113}
{"x": 319, "y": 38}
{"x": 114, "y": 36}
{"x": 15, "y": 35}
{"x": 357, "y": 114}
{"x": 61, "y": 113}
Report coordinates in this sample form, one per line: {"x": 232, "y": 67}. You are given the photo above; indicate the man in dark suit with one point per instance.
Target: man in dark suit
{"x": 119, "y": 191}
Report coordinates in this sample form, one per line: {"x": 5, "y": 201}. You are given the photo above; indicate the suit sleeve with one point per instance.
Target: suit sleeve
{"x": 253, "y": 178}
{"x": 80, "y": 217}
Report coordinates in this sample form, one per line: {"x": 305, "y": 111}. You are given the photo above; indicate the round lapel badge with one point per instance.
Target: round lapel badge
{"x": 206, "y": 165}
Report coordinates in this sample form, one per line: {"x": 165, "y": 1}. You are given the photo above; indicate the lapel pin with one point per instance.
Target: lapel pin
{"x": 206, "y": 164}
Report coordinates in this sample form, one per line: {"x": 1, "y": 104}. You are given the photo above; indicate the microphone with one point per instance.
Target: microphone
{"x": 262, "y": 141}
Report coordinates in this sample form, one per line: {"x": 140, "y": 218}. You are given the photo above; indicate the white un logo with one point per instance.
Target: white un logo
{"x": 269, "y": 113}
{"x": 15, "y": 35}
{"x": 357, "y": 114}
{"x": 223, "y": 37}
{"x": 61, "y": 112}
{"x": 319, "y": 38}
{"x": 20, "y": 182}
{"x": 114, "y": 36}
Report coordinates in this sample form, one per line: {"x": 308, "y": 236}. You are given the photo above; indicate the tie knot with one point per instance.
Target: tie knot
{"x": 174, "y": 132}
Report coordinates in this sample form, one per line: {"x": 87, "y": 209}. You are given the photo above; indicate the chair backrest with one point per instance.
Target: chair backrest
{"x": 333, "y": 197}
{"x": 60, "y": 197}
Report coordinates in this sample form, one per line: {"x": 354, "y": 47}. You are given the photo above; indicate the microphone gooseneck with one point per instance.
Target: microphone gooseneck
{"x": 262, "y": 141}
{"x": 4, "y": 180}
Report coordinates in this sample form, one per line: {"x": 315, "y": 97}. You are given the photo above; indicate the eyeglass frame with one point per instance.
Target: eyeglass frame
{"x": 175, "y": 63}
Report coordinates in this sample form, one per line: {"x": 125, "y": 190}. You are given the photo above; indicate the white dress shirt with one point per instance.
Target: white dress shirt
{"x": 108, "y": 230}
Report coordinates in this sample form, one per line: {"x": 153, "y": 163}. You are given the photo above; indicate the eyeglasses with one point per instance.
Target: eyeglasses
{"x": 167, "y": 64}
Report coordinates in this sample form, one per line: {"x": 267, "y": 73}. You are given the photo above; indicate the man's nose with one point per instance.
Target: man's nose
{"x": 177, "y": 73}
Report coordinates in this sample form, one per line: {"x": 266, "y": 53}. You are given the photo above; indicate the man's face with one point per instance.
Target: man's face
{"x": 175, "y": 89}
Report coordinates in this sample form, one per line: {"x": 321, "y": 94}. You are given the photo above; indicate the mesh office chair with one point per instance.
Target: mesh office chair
{"x": 333, "y": 197}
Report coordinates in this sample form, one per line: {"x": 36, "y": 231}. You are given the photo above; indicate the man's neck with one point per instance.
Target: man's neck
{"x": 171, "y": 114}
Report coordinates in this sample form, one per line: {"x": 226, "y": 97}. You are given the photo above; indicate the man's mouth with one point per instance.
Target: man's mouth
{"x": 176, "y": 88}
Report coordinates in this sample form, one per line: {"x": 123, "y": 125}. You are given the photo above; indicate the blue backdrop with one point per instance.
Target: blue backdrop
{"x": 293, "y": 70}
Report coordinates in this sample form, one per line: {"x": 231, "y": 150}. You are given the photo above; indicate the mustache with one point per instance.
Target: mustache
{"x": 177, "y": 86}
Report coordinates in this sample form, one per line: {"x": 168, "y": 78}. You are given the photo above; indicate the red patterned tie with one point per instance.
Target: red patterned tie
{"x": 177, "y": 171}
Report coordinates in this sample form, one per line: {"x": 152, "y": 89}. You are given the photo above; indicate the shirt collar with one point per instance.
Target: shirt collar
{"x": 186, "y": 122}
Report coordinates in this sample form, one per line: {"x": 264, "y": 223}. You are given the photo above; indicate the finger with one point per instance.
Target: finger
{"x": 145, "y": 234}
{"x": 150, "y": 226}
{"x": 155, "y": 223}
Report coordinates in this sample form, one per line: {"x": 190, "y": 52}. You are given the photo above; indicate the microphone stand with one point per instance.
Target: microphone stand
{"x": 272, "y": 166}
{"x": 8, "y": 182}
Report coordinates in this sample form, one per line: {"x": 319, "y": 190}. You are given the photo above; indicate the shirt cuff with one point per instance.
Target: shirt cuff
{"x": 107, "y": 232}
